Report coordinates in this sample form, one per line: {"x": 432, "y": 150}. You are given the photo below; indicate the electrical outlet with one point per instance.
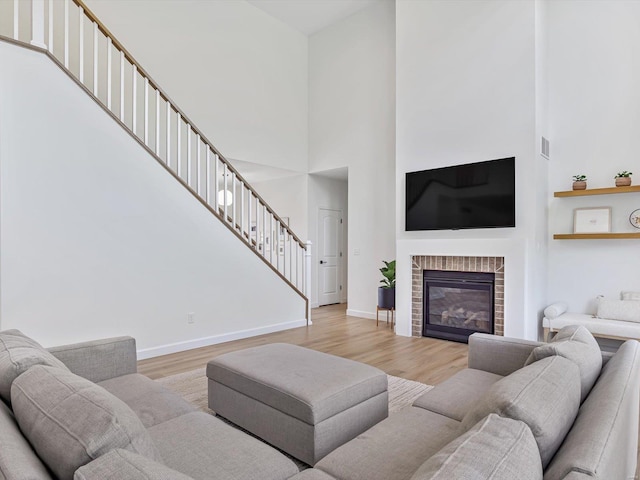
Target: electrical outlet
{"x": 191, "y": 318}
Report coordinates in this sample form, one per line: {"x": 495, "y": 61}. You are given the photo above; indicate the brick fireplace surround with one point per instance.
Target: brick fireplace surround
{"x": 455, "y": 264}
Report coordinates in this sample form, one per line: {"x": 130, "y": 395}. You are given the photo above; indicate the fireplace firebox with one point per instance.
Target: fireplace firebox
{"x": 457, "y": 304}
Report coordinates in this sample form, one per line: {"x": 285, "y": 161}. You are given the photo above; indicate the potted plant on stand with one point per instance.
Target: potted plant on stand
{"x": 623, "y": 179}
{"x": 579, "y": 182}
{"x": 387, "y": 293}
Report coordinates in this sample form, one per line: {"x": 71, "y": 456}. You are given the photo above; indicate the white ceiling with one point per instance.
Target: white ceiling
{"x": 255, "y": 172}
{"x": 309, "y": 16}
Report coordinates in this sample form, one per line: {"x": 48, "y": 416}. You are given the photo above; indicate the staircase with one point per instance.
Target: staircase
{"x": 71, "y": 35}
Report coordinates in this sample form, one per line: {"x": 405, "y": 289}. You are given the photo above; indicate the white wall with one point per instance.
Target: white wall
{"x": 97, "y": 239}
{"x": 238, "y": 73}
{"x": 331, "y": 194}
{"x": 466, "y": 93}
{"x": 288, "y": 197}
{"x": 594, "y": 119}
{"x": 352, "y": 124}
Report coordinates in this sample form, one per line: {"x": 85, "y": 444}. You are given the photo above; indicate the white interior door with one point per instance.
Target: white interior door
{"x": 329, "y": 256}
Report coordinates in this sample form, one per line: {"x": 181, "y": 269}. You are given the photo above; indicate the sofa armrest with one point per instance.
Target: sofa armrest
{"x": 99, "y": 360}
{"x": 499, "y": 355}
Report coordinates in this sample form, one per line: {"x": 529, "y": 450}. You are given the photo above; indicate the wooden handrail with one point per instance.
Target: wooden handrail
{"x": 105, "y": 31}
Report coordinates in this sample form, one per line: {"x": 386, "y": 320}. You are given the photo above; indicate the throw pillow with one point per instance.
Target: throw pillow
{"x": 545, "y": 395}
{"x": 495, "y": 448}
{"x": 630, "y": 296}
{"x": 121, "y": 464}
{"x": 70, "y": 421}
{"x": 17, "y": 354}
{"x": 555, "y": 310}
{"x": 574, "y": 343}
{"x": 627, "y": 310}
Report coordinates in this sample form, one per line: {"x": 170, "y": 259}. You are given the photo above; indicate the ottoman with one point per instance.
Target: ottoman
{"x": 304, "y": 402}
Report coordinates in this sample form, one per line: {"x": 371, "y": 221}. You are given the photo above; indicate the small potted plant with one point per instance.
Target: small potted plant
{"x": 387, "y": 293}
{"x": 579, "y": 182}
{"x": 623, "y": 179}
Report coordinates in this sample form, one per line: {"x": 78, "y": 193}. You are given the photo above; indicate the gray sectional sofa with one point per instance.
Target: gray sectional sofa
{"x": 581, "y": 409}
{"x": 89, "y": 415}
{"x": 522, "y": 410}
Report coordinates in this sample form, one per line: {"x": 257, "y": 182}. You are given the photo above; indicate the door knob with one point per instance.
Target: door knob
{"x": 321, "y": 262}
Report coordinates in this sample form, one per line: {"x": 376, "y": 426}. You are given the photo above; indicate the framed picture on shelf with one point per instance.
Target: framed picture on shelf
{"x": 592, "y": 220}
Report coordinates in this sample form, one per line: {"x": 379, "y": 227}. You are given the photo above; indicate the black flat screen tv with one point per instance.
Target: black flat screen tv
{"x": 475, "y": 195}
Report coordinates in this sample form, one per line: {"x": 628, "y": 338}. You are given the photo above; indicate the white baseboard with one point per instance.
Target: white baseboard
{"x": 315, "y": 305}
{"x": 225, "y": 337}
{"x": 361, "y": 314}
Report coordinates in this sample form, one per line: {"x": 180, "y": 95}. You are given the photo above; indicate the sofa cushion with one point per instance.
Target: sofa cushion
{"x": 392, "y": 449}
{"x": 574, "y": 343}
{"x": 626, "y": 310}
{"x": 454, "y": 397}
{"x": 17, "y": 354}
{"x": 122, "y": 464}
{"x": 603, "y": 440}
{"x": 150, "y": 401}
{"x": 545, "y": 395}
{"x": 85, "y": 420}
{"x": 205, "y": 448}
{"x": 18, "y": 461}
{"x": 495, "y": 448}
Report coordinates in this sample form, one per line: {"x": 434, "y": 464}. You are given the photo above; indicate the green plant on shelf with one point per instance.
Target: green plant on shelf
{"x": 579, "y": 178}
{"x": 623, "y": 174}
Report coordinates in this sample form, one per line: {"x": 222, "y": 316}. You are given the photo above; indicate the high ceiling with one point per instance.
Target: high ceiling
{"x": 309, "y": 16}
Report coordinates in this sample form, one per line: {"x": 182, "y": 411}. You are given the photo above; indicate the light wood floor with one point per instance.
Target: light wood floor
{"x": 425, "y": 360}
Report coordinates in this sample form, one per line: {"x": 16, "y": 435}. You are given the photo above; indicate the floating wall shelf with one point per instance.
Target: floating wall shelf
{"x": 597, "y": 191}
{"x": 594, "y": 236}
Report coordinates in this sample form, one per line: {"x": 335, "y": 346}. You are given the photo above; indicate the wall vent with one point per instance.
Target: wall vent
{"x": 544, "y": 148}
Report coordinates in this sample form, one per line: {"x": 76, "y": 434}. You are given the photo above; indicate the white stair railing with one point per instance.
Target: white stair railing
{"x": 72, "y": 35}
